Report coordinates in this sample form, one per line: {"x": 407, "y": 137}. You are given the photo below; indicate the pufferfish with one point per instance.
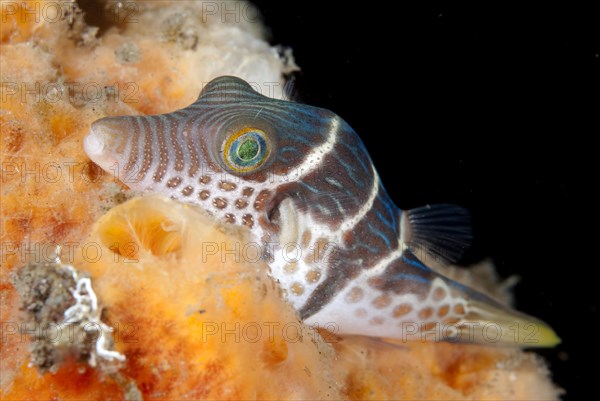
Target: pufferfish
{"x": 301, "y": 180}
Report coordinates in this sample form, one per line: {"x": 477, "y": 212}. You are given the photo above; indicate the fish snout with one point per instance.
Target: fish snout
{"x": 103, "y": 140}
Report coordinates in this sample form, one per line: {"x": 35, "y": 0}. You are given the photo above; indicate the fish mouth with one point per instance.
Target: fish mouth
{"x": 100, "y": 142}
{"x": 93, "y": 144}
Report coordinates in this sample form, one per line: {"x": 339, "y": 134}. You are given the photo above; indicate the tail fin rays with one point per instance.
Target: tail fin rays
{"x": 492, "y": 324}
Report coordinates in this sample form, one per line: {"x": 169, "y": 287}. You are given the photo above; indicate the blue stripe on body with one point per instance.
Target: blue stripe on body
{"x": 411, "y": 277}
{"x": 380, "y": 234}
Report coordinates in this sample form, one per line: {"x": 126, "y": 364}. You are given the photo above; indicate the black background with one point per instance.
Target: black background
{"x": 491, "y": 107}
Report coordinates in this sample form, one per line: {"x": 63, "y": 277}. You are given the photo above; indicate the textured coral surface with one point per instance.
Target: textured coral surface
{"x": 191, "y": 325}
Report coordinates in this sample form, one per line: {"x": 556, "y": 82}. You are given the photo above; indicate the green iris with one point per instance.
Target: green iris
{"x": 248, "y": 150}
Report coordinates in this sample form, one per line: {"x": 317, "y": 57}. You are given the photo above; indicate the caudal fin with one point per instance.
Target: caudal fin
{"x": 493, "y": 324}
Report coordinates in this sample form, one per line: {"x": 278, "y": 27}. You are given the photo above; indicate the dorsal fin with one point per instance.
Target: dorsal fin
{"x": 443, "y": 231}
{"x": 228, "y": 89}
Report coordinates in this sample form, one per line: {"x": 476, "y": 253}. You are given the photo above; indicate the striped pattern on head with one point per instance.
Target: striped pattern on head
{"x": 309, "y": 153}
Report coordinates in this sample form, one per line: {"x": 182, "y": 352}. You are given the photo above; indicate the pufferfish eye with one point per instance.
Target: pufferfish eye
{"x": 246, "y": 150}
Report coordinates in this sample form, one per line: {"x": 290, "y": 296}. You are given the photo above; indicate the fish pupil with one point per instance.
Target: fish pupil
{"x": 248, "y": 150}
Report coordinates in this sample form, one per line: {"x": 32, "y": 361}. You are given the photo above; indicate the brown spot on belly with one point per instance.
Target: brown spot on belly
{"x": 402, "y": 310}
{"x": 227, "y": 186}
{"x": 204, "y": 195}
{"x": 381, "y": 301}
{"x": 247, "y": 191}
{"x": 426, "y": 313}
{"x": 355, "y": 295}
{"x": 260, "y": 202}
{"x": 220, "y": 203}
{"x": 230, "y": 218}
{"x": 248, "y": 220}
{"x": 459, "y": 309}
{"x": 174, "y": 182}
{"x": 187, "y": 191}
{"x": 291, "y": 267}
{"x": 443, "y": 310}
{"x": 313, "y": 276}
{"x": 297, "y": 289}
{"x": 241, "y": 203}
{"x": 205, "y": 179}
